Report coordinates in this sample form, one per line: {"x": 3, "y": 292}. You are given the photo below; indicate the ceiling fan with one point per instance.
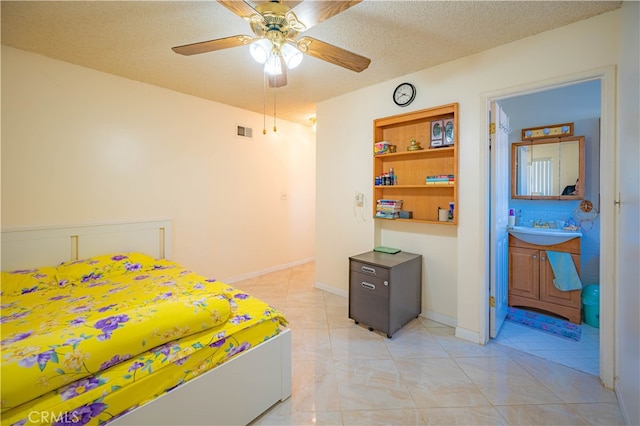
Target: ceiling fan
{"x": 276, "y": 25}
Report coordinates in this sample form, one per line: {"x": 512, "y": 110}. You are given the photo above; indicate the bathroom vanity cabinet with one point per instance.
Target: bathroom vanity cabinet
{"x": 531, "y": 279}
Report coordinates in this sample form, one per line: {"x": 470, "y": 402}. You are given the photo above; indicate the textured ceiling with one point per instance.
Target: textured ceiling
{"x": 133, "y": 39}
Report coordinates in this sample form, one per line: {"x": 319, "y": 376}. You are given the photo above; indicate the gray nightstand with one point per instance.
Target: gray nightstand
{"x": 385, "y": 290}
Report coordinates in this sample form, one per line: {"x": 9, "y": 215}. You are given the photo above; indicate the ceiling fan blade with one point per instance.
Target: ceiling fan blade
{"x": 240, "y": 8}
{"x": 311, "y": 13}
{"x": 212, "y": 45}
{"x": 333, "y": 54}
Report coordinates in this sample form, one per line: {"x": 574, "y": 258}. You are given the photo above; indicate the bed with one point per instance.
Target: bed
{"x": 117, "y": 333}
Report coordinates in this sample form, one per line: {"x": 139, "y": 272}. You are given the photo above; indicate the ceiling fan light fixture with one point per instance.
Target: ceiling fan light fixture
{"x": 275, "y": 44}
{"x": 273, "y": 66}
{"x": 291, "y": 55}
{"x": 260, "y": 50}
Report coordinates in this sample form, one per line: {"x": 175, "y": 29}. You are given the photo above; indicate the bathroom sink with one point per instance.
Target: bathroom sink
{"x": 542, "y": 236}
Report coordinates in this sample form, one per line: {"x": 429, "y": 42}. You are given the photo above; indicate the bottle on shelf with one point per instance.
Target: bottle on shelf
{"x": 386, "y": 179}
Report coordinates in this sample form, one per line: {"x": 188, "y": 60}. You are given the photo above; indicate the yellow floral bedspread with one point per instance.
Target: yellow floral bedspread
{"x": 104, "y": 322}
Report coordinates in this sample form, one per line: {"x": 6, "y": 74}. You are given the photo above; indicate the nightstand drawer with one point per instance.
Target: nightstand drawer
{"x": 370, "y": 270}
{"x": 368, "y": 284}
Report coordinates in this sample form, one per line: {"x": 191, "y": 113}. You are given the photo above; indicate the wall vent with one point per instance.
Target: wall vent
{"x": 244, "y": 132}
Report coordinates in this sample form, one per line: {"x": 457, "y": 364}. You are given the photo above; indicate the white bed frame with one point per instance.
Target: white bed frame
{"x": 252, "y": 382}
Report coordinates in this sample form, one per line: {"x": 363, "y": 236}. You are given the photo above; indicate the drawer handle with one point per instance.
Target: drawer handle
{"x": 368, "y": 270}
{"x": 368, "y": 285}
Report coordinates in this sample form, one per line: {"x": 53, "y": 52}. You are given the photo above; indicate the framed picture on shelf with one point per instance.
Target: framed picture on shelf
{"x": 448, "y": 130}
{"x": 437, "y": 133}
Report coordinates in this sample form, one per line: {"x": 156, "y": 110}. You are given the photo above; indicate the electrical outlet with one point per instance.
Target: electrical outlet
{"x": 359, "y": 199}
{"x": 283, "y": 196}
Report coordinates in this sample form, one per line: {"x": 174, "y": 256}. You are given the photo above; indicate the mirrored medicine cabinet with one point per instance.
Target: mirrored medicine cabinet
{"x": 548, "y": 169}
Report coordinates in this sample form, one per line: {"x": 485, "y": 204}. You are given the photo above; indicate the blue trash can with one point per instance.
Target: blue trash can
{"x": 591, "y": 305}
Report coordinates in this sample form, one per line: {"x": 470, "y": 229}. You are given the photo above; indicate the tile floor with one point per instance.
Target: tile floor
{"x": 583, "y": 355}
{"x": 345, "y": 375}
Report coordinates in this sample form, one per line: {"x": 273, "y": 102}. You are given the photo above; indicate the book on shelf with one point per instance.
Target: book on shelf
{"x": 441, "y": 180}
{"x": 388, "y": 209}
{"x": 389, "y": 206}
{"x": 382, "y": 215}
{"x": 444, "y": 182}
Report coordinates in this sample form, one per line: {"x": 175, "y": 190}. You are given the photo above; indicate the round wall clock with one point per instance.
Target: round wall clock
{"x": 404, "y": 94}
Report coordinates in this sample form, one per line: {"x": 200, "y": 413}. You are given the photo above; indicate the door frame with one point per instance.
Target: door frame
{"x": 607, "y": 190}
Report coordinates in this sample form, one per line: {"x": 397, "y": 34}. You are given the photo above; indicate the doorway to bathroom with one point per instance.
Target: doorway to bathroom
{"x": 579, "y": 103}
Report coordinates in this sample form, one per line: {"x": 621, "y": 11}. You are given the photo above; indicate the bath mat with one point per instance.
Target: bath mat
{"x": 555, "y": 326}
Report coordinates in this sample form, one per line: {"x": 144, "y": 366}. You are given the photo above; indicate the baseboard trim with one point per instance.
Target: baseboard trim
{"x": 437, "y": 317}
{"x": 330, "y": 289}
{"x": 621, "y": 403}
{"x": 469, "y": 335}
{"x": 276, "y": 268}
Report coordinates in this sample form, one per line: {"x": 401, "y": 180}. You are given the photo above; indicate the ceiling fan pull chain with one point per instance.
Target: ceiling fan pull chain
{"x": 264, "y": 103}
{"x": 275, "y": 92}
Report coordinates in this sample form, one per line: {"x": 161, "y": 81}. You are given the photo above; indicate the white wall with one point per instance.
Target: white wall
{"x": 455, "y": 260}
{"x": 80, "y": 146}
{"x": 344, "y": 165}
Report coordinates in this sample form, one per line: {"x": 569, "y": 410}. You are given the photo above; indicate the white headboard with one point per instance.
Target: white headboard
{"x": 49, "y": 246}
